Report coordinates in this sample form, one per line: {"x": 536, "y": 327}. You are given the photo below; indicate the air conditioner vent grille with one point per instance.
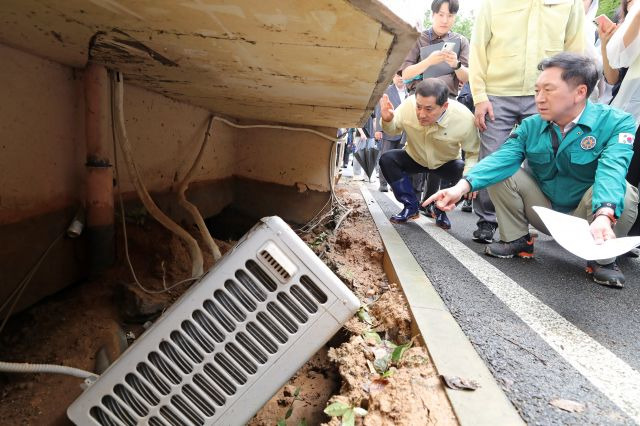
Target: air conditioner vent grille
{"x": 228, "y": 342}
{"x": 221, "y": 317}
{"x": 170, "y": 416}
{"x": 248, "y": 344}
{"x": 313, "y": 288}
{"x": 153, "y": 379}
{"x": 154, "y": 421}
{"x": 220, "y": 380}
{"x": 128, "y": 398}
{"x": 282, "y": 318}
{"x": 187, "y": 347}
{"x": 197, "y": 336}
{"x": 292, "y": 307}
{"x": 227, "y": 303}
{"x": 208, "y": 326}
{"x": 172, "y": 353}
{"x": 223, "y": 361}
{"x": 247, "y": 303}
{"x": 199, "y": 401}
{"x": 271, "y": 326}
{"x": 209, "y": 390}
{"x": 143, "y": 390}
{"x": 101, "y": 417}
{"x": 187, "y": 410}
{"x": 241, "y": 358}
{"x": 120, "y": 412}
{"x": 304, "y": 299}
{"x": 251, "y": 285}
{"x": 274, "y": 265}
{"x": 262, "y": 338}
{"x": 262, "y": 276}
{"x": 164, "y": 367}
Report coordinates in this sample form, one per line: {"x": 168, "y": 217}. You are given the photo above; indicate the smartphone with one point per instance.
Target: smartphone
{"x": 448, "y": 46}
{"x": 603, "y": 22}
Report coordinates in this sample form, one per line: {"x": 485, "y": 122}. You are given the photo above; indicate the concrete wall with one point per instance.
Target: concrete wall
{"x": 42, "y": 157}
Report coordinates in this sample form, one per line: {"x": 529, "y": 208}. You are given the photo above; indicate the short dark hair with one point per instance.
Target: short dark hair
{"x": 453, "y": 6}
{"x": 577, "y": 69}
{"x": 433, "y": 87}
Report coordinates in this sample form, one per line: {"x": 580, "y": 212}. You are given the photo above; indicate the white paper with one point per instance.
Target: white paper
{"x": 574, "y": 235}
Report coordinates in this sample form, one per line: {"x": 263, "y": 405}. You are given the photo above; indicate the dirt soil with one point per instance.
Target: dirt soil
{"x": 94, "y": 320}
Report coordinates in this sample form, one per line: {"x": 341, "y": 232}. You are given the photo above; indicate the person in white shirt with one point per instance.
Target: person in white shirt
{"x": 397, "y": 92}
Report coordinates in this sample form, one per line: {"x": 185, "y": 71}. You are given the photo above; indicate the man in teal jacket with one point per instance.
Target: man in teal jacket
{"x": 577, "y": 155}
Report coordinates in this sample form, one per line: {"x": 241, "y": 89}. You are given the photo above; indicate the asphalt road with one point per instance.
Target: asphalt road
{"x": 546, "y": 331}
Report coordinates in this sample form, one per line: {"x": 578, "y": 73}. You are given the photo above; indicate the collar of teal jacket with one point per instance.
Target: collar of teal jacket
{"x": 588, "y": 118}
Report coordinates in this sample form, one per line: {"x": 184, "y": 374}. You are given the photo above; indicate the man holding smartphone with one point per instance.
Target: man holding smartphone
{"x": 442, "y": 54}
{"x": 439, "y": 47}
{"x": 509, "y": 40}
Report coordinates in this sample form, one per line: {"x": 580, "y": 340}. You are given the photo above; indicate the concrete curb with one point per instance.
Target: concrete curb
{"x": 452, "y": 353}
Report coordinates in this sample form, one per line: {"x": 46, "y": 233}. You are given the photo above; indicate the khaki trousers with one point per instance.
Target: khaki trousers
{"x": 514, "y": 198}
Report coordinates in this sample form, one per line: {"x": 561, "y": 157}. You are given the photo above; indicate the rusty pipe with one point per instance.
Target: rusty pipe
{"x": 99, "y": 178}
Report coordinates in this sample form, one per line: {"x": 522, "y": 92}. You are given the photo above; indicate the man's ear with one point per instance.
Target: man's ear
{"x": 445, "y": 105}
{"x": 581, "y": 92}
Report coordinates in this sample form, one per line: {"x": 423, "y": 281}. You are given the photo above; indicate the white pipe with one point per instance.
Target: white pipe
{"x": 19, "y": 367}
{"x": 147, "y": 201}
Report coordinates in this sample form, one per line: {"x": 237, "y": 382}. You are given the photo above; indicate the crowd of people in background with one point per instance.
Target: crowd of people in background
{"x": 544, "y": 99}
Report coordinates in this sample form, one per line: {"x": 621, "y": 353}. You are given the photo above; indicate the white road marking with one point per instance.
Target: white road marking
{"x": 613, "y": 377}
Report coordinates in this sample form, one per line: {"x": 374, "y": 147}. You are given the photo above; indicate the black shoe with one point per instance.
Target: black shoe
{"x": 522, "y": 247}
{"x": 484, "y": 233}
{"x": 441, "y": 218}
{"x": 609, "y": 275}
{"x": 383, "y": 188}
{"x": 466, "y": 206}
{"x": 428, "y": 210}
{"x": 403, "y": 191}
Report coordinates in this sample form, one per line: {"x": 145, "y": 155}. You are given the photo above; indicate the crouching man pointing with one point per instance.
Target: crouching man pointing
{"x": 437, "y": 128}
{"x": 578, "y": 154}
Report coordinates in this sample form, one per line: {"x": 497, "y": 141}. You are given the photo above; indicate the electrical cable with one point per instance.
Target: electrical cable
{"x": 122, "y": 214}
{"x": 16, "y": 294}
{"x": 16, "y": 367}
{"x": 274, "y": 126}
{"x": 333, "y": 201}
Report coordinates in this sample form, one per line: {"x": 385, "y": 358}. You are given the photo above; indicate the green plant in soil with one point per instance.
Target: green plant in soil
{"x": 364, "y": 316}
{"x": 345, "y": 412}
{"x": 283, "y": 421}
{"x": 386, "y": 353}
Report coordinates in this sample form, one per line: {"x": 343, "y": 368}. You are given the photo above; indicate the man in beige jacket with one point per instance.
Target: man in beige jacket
{"x": 436, "y": 128}
{"x": 509, "y": 39}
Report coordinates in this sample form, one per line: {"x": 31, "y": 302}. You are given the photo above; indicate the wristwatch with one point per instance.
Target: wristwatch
{"x": 458, "y": 66}
{"x": 608, "y": 214}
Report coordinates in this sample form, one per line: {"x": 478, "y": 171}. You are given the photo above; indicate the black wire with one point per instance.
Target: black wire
{"x": 19, "y": 290}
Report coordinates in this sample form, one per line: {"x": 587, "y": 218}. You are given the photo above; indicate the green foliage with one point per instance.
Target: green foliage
{"x": 608, "y": 7}
{"x": 296, "y": 397}
{"x": 363, "y": 315}
{"x": 346, "y": 412}
{"x": 463, "y": 24}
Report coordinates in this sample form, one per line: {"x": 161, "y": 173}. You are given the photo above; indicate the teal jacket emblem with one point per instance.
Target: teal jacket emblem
{"x": 564, "y": 177}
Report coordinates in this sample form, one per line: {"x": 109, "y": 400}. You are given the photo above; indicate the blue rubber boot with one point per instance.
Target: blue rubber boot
{"x": 403, "y": 191}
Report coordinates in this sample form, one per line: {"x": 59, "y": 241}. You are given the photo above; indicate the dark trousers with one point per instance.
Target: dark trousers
{"x": 396, "y": 164}
{"x": 633, "y": 177}
{"x": 387, "y": 146}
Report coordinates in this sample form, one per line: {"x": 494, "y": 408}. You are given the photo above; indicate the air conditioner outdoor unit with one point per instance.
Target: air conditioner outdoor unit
{"x": 229, "y": 343}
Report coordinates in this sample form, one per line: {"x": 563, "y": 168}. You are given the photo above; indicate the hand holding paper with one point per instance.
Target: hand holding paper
{"x": 574, "y": 235}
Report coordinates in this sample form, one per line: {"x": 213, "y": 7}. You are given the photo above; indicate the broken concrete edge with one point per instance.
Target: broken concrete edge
{"x": 404, "y": 37}
{"x": 449, "y": 348}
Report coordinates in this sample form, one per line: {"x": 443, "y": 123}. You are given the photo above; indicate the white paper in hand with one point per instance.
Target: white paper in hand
{"x": 574, "y": 235}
